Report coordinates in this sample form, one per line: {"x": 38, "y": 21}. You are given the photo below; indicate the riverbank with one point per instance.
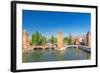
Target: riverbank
{"x": 85, "y": 48}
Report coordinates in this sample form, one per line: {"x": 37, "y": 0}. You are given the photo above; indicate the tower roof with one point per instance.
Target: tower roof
{"x": 60, "y": 33}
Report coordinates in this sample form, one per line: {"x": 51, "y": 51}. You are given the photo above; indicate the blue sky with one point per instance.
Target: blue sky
{"x": 50, "y": 23}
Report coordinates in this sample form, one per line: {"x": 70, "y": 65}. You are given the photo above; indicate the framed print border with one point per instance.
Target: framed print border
{"x": 14, "y": 35}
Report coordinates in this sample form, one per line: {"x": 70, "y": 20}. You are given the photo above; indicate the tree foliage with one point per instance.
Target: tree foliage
{"x": 38, "y": 39}
{"x": 53, "y": 40}
{"x": 68, "y": 40}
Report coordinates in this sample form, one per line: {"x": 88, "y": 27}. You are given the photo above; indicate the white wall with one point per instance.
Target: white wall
{"x": 5, "y": 37}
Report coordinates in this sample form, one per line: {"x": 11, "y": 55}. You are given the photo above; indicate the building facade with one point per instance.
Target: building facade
{"x": 88, "y": 39}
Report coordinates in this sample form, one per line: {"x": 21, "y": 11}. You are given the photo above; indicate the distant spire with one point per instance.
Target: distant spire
{"x": 88, "y": 32}
{"x": 70, "y": 35}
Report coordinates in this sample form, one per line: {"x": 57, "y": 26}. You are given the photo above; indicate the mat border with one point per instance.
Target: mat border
{"x": 13, "y": 35}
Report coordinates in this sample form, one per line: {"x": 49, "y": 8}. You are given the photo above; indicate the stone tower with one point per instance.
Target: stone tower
{"x": 60, "y": 40}
{"x": 26, "y": 41}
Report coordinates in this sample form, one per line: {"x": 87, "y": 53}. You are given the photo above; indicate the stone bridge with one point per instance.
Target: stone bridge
{"x": 43, "y": 46}
{"x": 76, "y": 46}
{"x": 85, "y": 48}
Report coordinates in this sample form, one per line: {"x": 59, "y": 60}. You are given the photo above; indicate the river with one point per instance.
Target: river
{"x": 55, "y": 55}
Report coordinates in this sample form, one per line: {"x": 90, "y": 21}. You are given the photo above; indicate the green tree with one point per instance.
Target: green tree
{"x": 53, "y": 40}
{"x": 44, "y": 40}
{"x": 38, "y": 39}
{"x": 31, "y": 42}
{"x": 68, "y": 40}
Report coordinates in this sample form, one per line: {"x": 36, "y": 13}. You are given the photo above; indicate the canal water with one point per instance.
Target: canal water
{"x": 55, "y": 55}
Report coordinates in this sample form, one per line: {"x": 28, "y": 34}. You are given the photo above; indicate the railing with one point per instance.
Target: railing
{"x": 43, "y": 46}
{"x": 72, "y": 46}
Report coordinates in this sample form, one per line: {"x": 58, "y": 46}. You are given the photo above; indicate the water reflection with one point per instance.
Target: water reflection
{"x": 55, "y": 55}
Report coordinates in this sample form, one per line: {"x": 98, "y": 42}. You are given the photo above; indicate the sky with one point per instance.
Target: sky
{"x": 50, "y": 23}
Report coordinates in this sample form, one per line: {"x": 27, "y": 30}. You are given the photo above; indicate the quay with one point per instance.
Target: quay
{"x": 85, "y": 48}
